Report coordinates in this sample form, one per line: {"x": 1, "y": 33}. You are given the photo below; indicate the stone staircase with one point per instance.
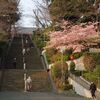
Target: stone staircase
{"x": 33, "y": 60}
{"x": 32, "y": 57}
{"x": 15, "y": 50}
{"x": 13, "y": 80}
{"x": 40, "y": 81}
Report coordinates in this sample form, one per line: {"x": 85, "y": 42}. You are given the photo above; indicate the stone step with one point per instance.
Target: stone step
{"x": 13, "y": 80}
{"x": 40, "y": 81}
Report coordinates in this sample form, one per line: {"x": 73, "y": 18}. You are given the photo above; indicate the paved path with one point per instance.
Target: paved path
{"x": 85, "y": 84}
{"x": 36, "y": 96}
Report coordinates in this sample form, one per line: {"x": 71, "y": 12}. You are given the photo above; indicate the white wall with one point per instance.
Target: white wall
{"x": 80, "y": 89}
{"x": 78, "y": 63}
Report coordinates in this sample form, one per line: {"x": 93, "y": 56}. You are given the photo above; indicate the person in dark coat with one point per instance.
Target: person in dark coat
{"x": 92, "y": 90}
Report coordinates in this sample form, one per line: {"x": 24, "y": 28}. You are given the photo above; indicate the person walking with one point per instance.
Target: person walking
{"x": 29, "y": 83}
{"x": 93, "y": 90}
{"x": 23, "y": 51}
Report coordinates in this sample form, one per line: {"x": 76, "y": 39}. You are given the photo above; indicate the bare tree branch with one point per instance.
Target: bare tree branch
{"x": 43, "y": 16}
{"x": 38, "y": 20}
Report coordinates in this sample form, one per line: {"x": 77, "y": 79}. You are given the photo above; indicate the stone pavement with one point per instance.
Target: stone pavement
{"x": 36, "y": 96}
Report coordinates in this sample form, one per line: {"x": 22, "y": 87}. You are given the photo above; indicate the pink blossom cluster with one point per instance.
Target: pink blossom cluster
{"x": 71, "y": 36}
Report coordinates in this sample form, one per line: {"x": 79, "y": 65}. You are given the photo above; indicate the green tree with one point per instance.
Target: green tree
{"x": 72, "y": 66}
{"x": 72, "y": 9}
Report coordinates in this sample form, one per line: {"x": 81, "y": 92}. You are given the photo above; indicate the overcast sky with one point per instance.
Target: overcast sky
{"x": 26, "y": 8}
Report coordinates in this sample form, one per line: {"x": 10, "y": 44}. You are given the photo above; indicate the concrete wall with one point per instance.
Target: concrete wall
{"x": 80, "y": 89}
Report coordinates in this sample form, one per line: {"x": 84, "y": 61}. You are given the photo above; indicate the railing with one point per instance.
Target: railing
{"x": 47, "y": 67}
{"x": 79, "y": 81}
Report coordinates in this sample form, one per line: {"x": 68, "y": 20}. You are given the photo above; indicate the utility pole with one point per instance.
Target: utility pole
{"x": 62, "y": 66}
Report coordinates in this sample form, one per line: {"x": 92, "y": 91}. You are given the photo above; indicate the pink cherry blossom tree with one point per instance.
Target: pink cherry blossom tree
{"x": 72, "y": 36}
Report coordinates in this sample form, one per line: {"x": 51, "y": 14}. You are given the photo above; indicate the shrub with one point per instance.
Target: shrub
{"x": 97, "y": 70}
{"x": 89, "y": 62}
{"x": 93, "y": 76}
{"x": 72, "y": 66}
{"x": 67, "y": 87}
{"x": 49, "y": 53}
{"x": 90, "y": 77}
{"x": 56, "y": 57}
{"x": 77, "y": 73}
{"x": 57, "y": 70}
{"x": 96, "y": 57}
{"x": 59, "y": 57}
{"x": 61, "y": 86}
{"x": 66, "y": 57}
{"x": 76, "y": 55}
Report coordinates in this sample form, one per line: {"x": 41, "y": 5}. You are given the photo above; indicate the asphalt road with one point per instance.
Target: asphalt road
{"x": 37, "y": 96}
